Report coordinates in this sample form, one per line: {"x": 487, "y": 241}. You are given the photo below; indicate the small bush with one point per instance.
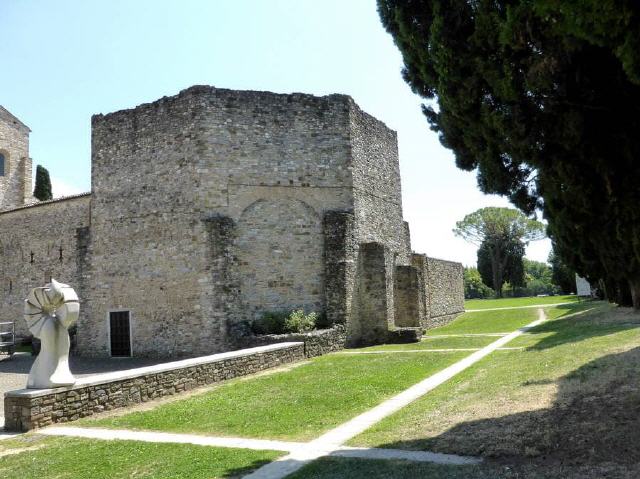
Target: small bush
{"x": 298, "y": 322}
{"x": 280, "y": 322}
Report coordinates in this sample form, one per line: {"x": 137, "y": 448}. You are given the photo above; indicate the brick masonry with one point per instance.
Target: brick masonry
{"x": 31, "y": 409}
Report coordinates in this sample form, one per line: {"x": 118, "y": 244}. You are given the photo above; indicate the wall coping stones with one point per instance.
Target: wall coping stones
{"x": 46, "y": 202}
{"x": 106, "y": 378}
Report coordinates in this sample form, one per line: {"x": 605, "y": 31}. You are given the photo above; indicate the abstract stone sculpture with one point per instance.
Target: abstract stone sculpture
{"x": 49, "y": 313}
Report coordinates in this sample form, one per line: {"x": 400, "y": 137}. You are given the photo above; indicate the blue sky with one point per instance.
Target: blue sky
{"x": 65, "y": 60}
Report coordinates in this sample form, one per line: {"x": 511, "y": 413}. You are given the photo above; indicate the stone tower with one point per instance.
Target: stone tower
{"x": 15, "y": 164}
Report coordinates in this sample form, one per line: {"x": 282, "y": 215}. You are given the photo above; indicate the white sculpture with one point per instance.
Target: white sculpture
{"x": 49, "y": 313}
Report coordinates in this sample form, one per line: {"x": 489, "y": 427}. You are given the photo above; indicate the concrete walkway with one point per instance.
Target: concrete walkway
{"x": 397, "y": 351}
{"x": 462, "y": 335}
{"x": 553, "y": 305}
{"x": 165, "y": 437}
{"x": 247, "y": 443}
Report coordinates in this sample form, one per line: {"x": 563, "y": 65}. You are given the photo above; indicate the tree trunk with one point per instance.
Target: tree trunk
{"x": 634, "y": 286}
{"x": 496, "y": 269}
{"x": 624, "y": 296}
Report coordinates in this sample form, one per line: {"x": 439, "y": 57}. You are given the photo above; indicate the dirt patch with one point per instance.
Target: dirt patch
{"x": 12, "y": 451}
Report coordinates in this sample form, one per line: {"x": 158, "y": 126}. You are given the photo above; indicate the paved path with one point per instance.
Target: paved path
{"x": 255, "y": 444}
{"x": 522, "y": 307}
{"x": 397, "y": 351}
{"x": 461, "y": 335}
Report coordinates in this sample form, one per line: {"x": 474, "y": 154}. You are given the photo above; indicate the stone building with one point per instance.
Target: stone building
{"x": 213, "y": 206}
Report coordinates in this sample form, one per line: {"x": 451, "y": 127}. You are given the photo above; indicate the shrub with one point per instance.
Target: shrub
{"x": 280, "y": 322}
{"x": 298, "y": 322}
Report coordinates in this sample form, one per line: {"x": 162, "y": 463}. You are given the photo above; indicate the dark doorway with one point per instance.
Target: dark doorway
{"x": 120, "y": 333}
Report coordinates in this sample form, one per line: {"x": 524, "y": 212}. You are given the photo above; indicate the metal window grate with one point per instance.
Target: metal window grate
{"x": 120, "y": 333}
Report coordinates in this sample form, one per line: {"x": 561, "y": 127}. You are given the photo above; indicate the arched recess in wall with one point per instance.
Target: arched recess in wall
{"x": 280, "y": 250}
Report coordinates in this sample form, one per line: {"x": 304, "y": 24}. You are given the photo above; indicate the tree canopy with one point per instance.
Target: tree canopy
{"x": 561, "y": 274}
{"x": 501, "y": 235}
{"x": 542, "y": 98}
{"x": 493, "y": 221}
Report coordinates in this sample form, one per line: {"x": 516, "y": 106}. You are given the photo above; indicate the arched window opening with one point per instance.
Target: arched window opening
{"x": 2, "y": 161}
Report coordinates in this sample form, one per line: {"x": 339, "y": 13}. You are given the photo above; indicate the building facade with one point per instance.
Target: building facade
{"x": 213, "y": 206}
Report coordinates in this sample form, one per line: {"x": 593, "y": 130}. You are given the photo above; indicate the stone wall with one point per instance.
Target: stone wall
{"x": 15, "y": 184}
{"x": 408, "y": 297}
{"x": 444, "y": 289}
{"x": 316, "y": 343}
{"x": 39, "y": 242}
{"x": 28, "y": 409}
{"x": 273, "y": 164}
{"x": 376, "y": 184}
{"x": 373, "y": 311}
{"x": 214, "y": 206}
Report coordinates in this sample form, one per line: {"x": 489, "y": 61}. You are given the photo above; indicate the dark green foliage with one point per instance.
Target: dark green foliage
{"x": 500, "y": 259}
{"x": 474, "y": 287}
{"x": 281, "y": 322}
{"x": 501, "y": 235}
{"x": 542, "y": 97}
{"x": 537, "y": 281}
{"x": 561, "y": 275}
{"x": 42, "y": 190}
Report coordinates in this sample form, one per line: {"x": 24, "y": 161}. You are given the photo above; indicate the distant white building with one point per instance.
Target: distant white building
{"x": 583, "y": 288}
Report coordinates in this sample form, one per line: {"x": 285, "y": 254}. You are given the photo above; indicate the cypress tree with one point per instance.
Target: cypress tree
{"x": 542, "y": 98}
{"x": 42, "y": 190}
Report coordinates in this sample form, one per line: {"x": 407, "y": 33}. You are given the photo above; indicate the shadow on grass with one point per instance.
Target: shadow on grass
{"x": 240, "y": 472}
{"x": 594, "y": 422}
{"x": 579, "y": 326}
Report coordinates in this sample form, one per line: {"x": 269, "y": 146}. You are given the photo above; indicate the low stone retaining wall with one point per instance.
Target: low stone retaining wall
{"x": 27, "y": 409}
{"x": 316, "y": 343}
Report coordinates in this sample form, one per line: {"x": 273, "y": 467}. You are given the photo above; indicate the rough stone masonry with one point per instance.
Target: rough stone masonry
{"x": 213, "y": 206}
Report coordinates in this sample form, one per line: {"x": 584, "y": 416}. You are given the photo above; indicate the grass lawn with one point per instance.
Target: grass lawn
{"x": 566, "y": 406}
{"x": 515, "y": 302}
{"x": 488, "y": 322}
{"x": 35, "y": 457}
{"x": 298, "y": 404}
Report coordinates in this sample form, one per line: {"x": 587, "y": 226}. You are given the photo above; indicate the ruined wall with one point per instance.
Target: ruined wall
{"x": 15, "y": 184}
{"x": 408, "y": 297}
{"x": 37, "y": 243}
{"x": 445, "y": 291}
